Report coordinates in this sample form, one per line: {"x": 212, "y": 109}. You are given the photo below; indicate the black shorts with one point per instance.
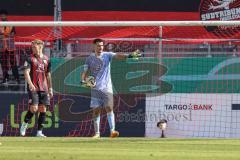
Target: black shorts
{"x": 39, "y": 97}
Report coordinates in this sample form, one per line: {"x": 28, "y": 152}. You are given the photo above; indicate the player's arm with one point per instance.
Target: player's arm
{"x": 49, "y": 79}
{"x": 85, "y": 73}
{"x": 28, "y": 79}
{"x": 27, "y": 69}
{"x": 121, "y": 56}
{"x": 84, "y": 76}
{"x": 134, "y": 54}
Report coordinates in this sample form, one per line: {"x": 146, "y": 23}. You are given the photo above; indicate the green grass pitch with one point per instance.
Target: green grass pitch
{"x": 31, "y": 148}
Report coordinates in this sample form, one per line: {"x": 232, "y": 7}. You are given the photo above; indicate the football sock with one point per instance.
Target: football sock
{"x": 41, "y": 120}
{"x": 111, "y": 120}
{"x": 96, "y": 122}
{"x": 28, "y": 116}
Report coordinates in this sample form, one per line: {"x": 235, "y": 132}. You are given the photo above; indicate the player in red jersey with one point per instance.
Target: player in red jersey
{"x": 38, "y": 77}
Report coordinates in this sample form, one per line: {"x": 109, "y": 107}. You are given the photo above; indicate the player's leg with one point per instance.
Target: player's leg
{"x": 96, "y": 121}
{"x": 111, "y": 122}
{"x": 96, "y": 104}
{"x": 108, "y": 103}
{"x": 44, "y": 100}
{"x": 33, "y": 102}
{"x": 41, "y": 119}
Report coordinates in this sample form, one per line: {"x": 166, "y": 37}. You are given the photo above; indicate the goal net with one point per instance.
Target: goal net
{"x": 188, "y": 75}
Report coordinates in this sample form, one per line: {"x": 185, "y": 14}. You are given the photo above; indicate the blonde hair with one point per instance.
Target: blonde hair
{"x": 37, "y": 41}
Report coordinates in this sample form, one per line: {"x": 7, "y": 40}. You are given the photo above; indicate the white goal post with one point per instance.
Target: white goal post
{"x": 118, "y": 23}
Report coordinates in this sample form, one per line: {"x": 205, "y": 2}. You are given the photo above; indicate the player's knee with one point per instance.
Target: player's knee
{"x": 96, "y": 112}
{"x": 109, "y": 109}
{"x": 42, "y": 108}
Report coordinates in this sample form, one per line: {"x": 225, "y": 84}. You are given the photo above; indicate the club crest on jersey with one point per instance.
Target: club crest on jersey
{"x": 222, "y": 10}
{"x": 40, "y": 68}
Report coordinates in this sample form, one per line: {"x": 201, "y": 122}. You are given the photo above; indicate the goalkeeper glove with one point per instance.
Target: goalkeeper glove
{"x": 83, "y": 83}
{"x": 135, "y": 55}
{"x": 89, "y": 82}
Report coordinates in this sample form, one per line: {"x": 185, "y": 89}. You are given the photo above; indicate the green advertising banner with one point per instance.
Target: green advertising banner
{"x": 151, "y": 75}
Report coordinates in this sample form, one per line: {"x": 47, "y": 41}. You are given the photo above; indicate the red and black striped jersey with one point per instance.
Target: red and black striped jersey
{"x": 39, "y": 68}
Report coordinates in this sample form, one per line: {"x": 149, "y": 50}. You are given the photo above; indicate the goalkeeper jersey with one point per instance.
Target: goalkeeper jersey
{"x": 100, "y": 68}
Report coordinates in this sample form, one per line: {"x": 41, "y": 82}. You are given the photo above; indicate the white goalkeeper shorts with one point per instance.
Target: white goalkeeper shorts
{"x": 101, "y": 99}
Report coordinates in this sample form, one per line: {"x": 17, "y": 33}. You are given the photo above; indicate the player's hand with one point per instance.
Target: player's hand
{"x": 32, "y": 88}
{"x": 135, "y": 55}
{"x": 83, "y": 83}
{"x": 50, "y": 92}
{"x": 90, "y": 82}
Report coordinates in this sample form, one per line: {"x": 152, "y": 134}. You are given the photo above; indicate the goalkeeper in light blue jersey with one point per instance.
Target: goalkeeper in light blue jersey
{"x": 98, "y": 65}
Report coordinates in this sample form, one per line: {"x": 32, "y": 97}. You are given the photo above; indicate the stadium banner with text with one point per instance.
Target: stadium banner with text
{"x": 204, "y": 100}
{"x": 151, "y": 75}
{"x": 67, "y": 117}
{"x": 133, "y": 81}
{"x": 194, "y": 115}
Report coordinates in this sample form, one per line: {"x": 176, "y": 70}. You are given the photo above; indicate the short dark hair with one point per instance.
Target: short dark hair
{"x": 95, "y": 41}
{"x": 3, "y": 11}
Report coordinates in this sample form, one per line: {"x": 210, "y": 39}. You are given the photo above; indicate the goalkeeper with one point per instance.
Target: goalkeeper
{"x": 97, "y": 65}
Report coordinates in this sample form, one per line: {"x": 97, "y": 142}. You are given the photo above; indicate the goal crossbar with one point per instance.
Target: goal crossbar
{"x": 118, "y": 23}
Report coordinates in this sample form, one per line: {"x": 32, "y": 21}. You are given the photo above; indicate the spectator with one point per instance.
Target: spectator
{"x": 7, "y": 48}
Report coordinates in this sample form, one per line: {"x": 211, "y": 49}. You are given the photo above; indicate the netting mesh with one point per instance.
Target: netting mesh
{"x": 187, "y": 75}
